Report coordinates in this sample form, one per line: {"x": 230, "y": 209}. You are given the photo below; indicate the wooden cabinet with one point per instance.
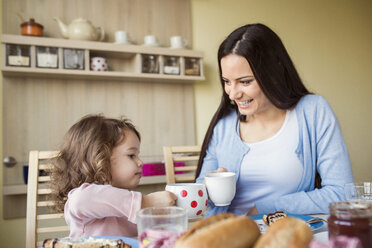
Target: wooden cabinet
{"x": 124, "y": 61}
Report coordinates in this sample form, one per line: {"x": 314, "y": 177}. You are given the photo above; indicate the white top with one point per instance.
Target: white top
{"x": 270, "y": 169}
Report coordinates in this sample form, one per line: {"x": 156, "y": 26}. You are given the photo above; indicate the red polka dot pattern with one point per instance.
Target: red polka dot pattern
{"x": 98, "y": 64}
{"x": 194, "y": 200}
{"x": 183, "y": 193}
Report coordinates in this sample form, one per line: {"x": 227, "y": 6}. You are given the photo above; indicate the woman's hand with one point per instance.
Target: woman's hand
{"x": 159, "y": 199}
{"x": 220, "y": 169}
{"x": 252, "y": 211}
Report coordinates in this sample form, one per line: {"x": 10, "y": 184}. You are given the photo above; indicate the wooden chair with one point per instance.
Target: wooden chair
{"x": 41, "y": 222}
{"x": 187, "y": 154}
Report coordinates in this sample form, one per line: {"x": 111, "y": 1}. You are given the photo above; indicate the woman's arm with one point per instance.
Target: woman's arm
{"x": 210, "y": 162}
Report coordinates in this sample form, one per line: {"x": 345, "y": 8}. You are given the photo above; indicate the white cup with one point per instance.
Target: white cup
{"x": 121, "y": 37}
{"x": 192, "y": 197}
{"x": 177, "y": 42}
{"x": 150, "y": 40}
{"x": 98, "y": 64}
{"x": 221, "y": 187}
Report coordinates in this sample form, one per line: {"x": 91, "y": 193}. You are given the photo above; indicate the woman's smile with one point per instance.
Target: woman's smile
{"x": 244, "y": 104}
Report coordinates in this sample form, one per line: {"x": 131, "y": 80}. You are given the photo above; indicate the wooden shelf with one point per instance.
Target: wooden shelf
{"x": 125, "y": 60}
{"x": 81, "y": 74}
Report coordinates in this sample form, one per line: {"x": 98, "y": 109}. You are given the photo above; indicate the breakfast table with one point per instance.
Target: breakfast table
{"x": 321, "y": 234}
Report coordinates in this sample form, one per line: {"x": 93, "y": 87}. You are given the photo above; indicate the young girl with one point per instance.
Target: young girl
{"x": 97, "y": 166}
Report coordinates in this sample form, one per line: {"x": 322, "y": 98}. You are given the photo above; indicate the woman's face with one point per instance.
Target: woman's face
{"x": 126, "y": 167}
{"x": 242, "y": 87}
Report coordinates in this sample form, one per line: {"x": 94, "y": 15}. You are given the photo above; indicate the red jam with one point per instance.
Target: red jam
{"x": 353, "y": 219}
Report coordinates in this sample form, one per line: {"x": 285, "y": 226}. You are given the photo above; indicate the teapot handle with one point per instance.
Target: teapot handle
{"x": 102, "y": 34}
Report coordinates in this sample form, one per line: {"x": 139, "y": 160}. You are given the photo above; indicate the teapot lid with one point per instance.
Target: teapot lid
{"x": 31, "y": 22}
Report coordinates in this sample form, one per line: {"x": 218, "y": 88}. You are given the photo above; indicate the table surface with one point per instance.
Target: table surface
{"x": 322, "y": 233}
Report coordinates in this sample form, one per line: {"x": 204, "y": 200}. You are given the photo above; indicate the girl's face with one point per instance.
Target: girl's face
{"x": 126, "y": 167}
{"x": 242, "y": 87}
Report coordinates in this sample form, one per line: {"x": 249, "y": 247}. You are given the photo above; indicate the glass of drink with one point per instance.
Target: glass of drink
{"x": 358, "y": 191}
{"x": 157, "y": 223}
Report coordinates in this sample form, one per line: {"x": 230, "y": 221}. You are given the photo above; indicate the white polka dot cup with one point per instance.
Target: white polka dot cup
{"x": 192, "y": 197}
{"x": 221, "y": 187}
{"x": 98, "y": 64}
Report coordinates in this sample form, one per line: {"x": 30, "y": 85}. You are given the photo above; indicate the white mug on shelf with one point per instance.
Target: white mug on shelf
{"x": 121, "y": 37}
{"x": 150, "y": 40}
{"x": 177, "y": 42}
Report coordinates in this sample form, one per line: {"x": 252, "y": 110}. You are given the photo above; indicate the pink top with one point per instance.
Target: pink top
{"x": 94, "y": 210}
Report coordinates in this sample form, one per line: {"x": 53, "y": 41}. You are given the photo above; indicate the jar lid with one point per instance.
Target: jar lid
{"x": 32, "y": 22}
{"x": 351, "y": 209}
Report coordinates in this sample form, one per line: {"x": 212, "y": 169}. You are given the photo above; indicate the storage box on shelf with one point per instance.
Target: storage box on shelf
{"x": 73, "y": 60}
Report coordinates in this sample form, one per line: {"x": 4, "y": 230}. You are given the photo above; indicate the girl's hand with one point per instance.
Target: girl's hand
{"x": 159, "y": 199}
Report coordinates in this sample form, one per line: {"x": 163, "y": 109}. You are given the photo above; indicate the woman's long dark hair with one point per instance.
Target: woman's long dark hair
{"x": 272, "y": 68}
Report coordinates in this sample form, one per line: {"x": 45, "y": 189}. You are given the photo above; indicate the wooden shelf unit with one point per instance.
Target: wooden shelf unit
{"x": 124, "y": 60}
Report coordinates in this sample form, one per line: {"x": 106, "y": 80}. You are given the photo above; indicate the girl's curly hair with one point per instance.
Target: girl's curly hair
{"x": 85, "y": 154}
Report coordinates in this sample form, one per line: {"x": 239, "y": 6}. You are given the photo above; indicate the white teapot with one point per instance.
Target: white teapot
{"x": 80, "y": 29}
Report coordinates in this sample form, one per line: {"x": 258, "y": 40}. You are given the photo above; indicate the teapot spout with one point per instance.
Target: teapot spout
{"x": 62, "y": 27}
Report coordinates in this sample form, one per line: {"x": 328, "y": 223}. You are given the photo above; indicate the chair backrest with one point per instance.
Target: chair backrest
{"x": 181, "y": 163}
{"x": 41, "y": 222}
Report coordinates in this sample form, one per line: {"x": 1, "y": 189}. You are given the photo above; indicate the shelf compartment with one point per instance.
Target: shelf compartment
{"x": 18, "y": 55}
{"x": 117, "y": 61}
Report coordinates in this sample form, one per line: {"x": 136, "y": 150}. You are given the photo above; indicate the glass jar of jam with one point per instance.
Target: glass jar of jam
{"x": 353, "y": 219}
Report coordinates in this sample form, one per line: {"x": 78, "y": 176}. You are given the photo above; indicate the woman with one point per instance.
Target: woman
{"x": 272, "y": 132}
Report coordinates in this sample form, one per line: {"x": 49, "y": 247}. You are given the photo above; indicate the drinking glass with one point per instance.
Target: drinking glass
{"x": 358, "y": 191}
{"x": 160, "y": 222}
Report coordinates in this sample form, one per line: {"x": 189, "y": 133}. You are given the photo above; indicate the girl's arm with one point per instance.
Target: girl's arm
{"x": 92, "y": 201}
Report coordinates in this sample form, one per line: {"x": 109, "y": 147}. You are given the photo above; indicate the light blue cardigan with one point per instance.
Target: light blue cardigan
{"x": 321, "y": 148}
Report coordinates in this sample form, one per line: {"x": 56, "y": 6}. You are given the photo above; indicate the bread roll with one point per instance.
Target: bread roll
{"x": 286, "y": 233}
{"x": 222, "y": 230}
